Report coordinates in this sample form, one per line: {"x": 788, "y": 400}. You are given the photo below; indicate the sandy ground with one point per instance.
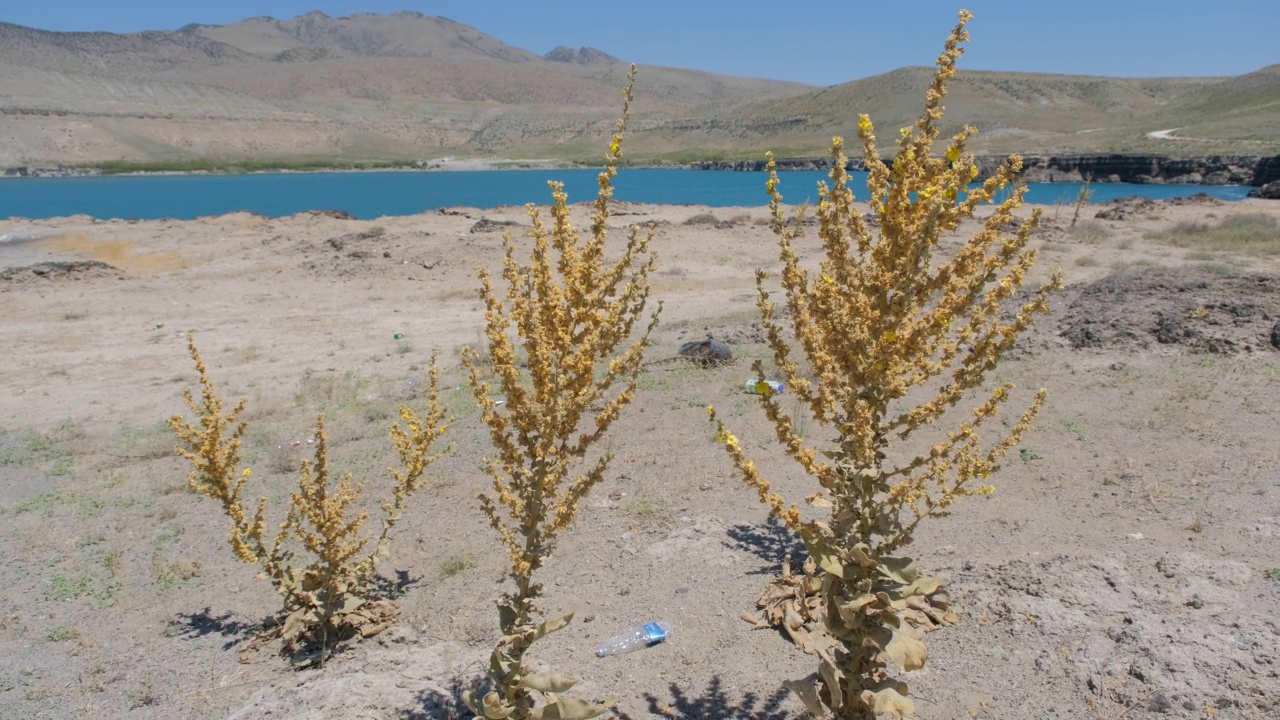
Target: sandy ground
{"x": 1128, "y": 565}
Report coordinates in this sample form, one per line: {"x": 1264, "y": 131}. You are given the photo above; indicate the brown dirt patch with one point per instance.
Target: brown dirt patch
{"x": 1199, "y": 310}
{"x": 58, "y": 272}
{"x": 120, "y": 253}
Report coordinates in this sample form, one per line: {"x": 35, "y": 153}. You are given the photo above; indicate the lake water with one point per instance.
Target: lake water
{"x": 368, "y": 195}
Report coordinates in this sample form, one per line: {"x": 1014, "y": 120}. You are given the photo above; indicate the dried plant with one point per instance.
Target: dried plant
{"x": 884, "y": 315}
{"x": 572, "y": 314}
{"x": 330, "y": 599}
{"x": 1082, "y": 198}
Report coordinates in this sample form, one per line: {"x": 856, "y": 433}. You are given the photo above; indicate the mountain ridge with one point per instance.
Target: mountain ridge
{"x": 410, "y": 86}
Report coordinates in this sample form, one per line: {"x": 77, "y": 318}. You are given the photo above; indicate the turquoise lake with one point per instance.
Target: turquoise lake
{"x": 368, "y": 195}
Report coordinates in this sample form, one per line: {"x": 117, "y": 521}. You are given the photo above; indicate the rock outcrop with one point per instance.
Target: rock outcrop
{"x": 1144, "y": 169}
{"x": 581, "y": 56}
{"x": 1270, "y": 191}
{"x": 1147, "y": 169}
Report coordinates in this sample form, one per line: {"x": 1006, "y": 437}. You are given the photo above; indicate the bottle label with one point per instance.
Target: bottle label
{"x": 653, "y": 634}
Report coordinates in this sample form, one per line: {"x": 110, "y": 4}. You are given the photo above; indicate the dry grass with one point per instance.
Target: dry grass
{"x": 1250, "y": 234}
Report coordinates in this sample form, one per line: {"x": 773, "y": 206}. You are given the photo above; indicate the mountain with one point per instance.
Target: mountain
{"x": 1017, "y": 112}
{"x": 408, "y": 86}
{"x": 582, "y": 56}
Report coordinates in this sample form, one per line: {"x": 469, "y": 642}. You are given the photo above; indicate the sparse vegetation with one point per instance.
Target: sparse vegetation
{"x": 702, "y": 219}
{"x": 456, "y": 564}
{"x": 1089, "y": 232}
{"x": 878, "y": 318}
{"x": 243, "y": 165}
{"x": 1250, "y": 234}
{"x": 62, "y": 634}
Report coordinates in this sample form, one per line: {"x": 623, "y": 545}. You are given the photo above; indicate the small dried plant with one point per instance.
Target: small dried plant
{"x": 1082, "y": 198}
{"x": 880, "y": 317}
{"x": 573, "y": 315}
{"x": 331, "y": 598}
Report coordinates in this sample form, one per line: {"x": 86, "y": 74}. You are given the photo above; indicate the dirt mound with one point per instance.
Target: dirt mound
{"x": 1202, "y": 199}
{"x": 318, "y": 214}
{"x": 706, "y": 352}
{"x": 362, "y": 254}
{"x": 1130, "y": 208}
{"x": 60, "y": 271}
{"x": 484, "y": 225}
{"x": 1189, "y": 307}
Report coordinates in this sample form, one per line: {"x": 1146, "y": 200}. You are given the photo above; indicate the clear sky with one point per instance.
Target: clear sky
{"x": 822, "y": 43}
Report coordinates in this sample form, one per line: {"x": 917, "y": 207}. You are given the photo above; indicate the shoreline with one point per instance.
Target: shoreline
{"x": 1101, "y": 168}
{"x": 16, "y": 230}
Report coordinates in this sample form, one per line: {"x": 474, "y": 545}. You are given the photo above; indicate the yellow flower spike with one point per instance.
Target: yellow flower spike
{"x": 577, "y": 305}
{"x": 900, "y": 352}
{"x": 710, "y": 411}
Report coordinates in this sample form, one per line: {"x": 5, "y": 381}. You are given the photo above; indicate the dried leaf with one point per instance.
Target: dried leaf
{"x": 807, "y": 690}
{"x": 831, "y": 676}
{"x": 547, "y": 682}
{"x": 792, "y": 619}
{"x": 889, "y": 696}
{"x": 494, "y": 708}
{"x": 905, "y": 651}
{"x": 899, "y": 569}
{"x": 923, "y": 586}
{"x": 818, "y": 501}
{"x": 572, "y": 709}
{"x": 853, "y": 608}
{"x": 551, "y": 626}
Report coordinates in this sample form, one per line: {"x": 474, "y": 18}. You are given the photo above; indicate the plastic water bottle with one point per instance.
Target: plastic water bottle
{"x": 773, "y": 385}
{"x": 640, "y": 637}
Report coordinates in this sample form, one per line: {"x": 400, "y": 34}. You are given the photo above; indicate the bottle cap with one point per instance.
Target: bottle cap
{"x": 653, "y": 633}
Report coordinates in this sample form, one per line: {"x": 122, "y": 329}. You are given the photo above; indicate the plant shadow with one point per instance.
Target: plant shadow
{"x": 771, "y": 542}
{"x": 447, "y": 705}
{"x": 714, "y": 704}
{"x": 388, "y": 589}
{"x": 205, "y": 622}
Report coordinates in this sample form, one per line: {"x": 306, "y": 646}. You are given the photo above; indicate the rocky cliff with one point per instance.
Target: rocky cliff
{"x": 1254, "y": 170}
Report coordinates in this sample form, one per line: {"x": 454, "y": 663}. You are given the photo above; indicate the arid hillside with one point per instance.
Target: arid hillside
{"x": 1023, "y": 112}
{"x": 408, "y": 87}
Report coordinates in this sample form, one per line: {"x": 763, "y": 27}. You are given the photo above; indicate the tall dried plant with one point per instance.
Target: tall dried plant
{"x": 328, "y": 598}
{"x": 885, "y": 314}
{"x": 572, "y": 313}
{"x": 1082, "y": 198}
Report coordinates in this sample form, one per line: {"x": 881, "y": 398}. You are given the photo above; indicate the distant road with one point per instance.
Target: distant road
{"x": 1164, "y": 134}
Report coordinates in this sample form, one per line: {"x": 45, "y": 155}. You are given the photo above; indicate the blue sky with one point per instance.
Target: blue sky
{"x": 829, "y": 43}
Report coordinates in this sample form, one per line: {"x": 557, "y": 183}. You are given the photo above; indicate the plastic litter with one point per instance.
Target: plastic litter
{"x": 634, "y": 639}
{"x": 753, "y": 386}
